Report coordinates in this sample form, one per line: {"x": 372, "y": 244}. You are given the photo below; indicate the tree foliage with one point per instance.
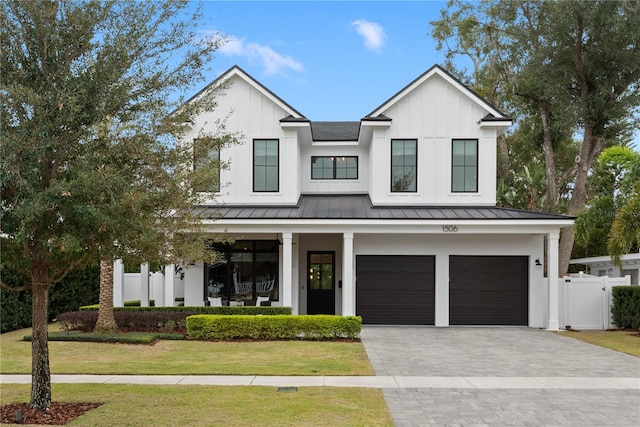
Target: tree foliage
{"x": 89, "y": 165}
{"x": 614, "y": 211}
{"x": 566, "y": 67}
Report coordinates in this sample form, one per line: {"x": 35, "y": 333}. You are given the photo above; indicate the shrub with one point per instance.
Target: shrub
{"x": 155, "y": 319}
{"x": 128, "y": 338}
{"x": 137, "y": 302}
{"x": 228, "y": 310}
{"x": 80, "y": 287}
{"x": 625, "y": 311}
{"x": 278, "y": 327}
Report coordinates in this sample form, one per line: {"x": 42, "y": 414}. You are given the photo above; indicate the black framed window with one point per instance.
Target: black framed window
{"x": 464, "y": 166}
{"x": 246, "y": 269}
{"x": 207, "y": 156}
{"x": 266, "y": 165}
{"x": 404, "y": 165}
{"x": 334, "y": 167}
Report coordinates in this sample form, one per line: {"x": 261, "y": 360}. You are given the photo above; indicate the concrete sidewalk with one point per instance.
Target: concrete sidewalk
{"x": 390, "y": 381}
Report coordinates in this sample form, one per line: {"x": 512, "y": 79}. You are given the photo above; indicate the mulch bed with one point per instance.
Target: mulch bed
{"x": 58, "y": 414}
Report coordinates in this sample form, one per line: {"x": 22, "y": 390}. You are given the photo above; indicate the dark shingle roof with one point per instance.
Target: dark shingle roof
{"x": 335, "y": 131}
{"x": 358, "y": 206}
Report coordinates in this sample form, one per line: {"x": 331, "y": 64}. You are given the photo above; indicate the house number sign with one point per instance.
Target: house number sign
{"x": 449, "y": 229}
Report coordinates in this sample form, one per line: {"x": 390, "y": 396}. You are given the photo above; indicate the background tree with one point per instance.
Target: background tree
{"x": 614, "y": 213}
{"x": 573, "y": 68}
{"x": 89, "y": 167}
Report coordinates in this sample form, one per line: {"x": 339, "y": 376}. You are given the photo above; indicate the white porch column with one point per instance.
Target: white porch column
{"x": 144, "y": 285}
{"x": 287, "y": 270}
{"x": 348, "y": 285}
{"x": 169, "y": 285}
{"x": 552, "y": 271}
{"x": 118, "y": 283}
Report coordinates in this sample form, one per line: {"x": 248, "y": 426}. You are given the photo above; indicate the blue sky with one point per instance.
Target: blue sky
{"x": 329, "y": 60}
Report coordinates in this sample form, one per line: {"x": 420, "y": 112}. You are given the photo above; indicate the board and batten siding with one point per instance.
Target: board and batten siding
{"x": 247, "y": 111}
{"x": 434, "y": 114}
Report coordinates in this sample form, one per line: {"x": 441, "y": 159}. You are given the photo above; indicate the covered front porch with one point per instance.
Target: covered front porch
{"x": 419, "y": 267}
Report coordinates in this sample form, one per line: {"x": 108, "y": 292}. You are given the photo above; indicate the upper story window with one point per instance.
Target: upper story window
{"x": 464, "y": 166}
{"x": 207, "y": 155}
{"x": 265, "y": 165}
{"x": 404, "y": 165}
{"x": 334, "y": 167}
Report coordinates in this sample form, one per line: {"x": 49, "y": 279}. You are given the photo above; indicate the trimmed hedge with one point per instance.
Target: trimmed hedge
{"x": 626, "y": 306}
{"x": 128, "y": 338}
{"x": 279, "y": 327}
{"x": 137, "y": 302}
{"x": 78, "y": 288}
{"x": 228, "y": 310}
{"x": 156, "y": 319}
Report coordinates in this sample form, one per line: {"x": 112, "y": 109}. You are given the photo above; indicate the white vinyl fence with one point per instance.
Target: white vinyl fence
{"x": 585, "y": 302}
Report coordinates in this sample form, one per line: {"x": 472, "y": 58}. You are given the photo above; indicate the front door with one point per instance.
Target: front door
{"x": 321, "y": 297}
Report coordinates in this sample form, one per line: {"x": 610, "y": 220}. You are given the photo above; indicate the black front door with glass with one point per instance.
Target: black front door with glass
{"x": 321, "y": 283}
{"x": 247, "y": 270}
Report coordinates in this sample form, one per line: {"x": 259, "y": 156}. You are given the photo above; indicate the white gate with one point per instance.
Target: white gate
{"x": 585, "y": 302}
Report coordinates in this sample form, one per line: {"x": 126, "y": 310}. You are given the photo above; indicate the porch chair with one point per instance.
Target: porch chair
{"x": 242, "y": 287}
{"x": 260, "y": 300}
{"x": 215, "y": 301}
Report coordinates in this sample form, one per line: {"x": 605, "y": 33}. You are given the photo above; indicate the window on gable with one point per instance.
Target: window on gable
{"x": 207, "y": 156}
{"x": 334, "y": 167}
{"x": 404, "y": 165}
{"x": 464, "y": 166}
{"x": 265, "y": 165}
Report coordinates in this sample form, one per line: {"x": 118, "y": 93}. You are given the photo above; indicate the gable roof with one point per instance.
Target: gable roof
{"x": 440, "y": 71}
{"x": 358, "y": 206}
{"x": 237, "y": 71}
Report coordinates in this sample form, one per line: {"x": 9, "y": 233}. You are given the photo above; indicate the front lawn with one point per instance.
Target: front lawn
{"x": 138, "y": 405}
{"x": 625, "y": 341}
{"x": 189, "y": 357}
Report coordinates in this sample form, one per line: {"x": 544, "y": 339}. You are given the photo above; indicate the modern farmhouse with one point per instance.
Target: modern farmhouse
{"x": 392, "y": 218}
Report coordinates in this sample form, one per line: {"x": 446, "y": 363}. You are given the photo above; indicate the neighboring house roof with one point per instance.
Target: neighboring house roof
{"x": 437, "y": 69}
{"x": 235, "y": 70}
{"x": 335, "y": 131}
{"x": 605, "y": 259}
{"x": 358, "y": 206}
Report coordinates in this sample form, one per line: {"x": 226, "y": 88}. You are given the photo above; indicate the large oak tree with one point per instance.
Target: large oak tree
{"x": 89, "y": 166}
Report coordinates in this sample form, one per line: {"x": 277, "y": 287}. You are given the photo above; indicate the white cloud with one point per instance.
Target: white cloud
{"x": 272, "y": 61}
{"x": 372, "y": 33}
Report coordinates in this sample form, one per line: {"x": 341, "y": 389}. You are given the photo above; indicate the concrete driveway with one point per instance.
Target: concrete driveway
{"x": 502, "y": 376}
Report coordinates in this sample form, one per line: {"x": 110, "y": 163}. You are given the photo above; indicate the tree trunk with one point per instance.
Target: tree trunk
{"x": 106, "y": 320}
{"x": 549, "y": 159}
{"x": 590, "y": 148}
{"x": 504, "y": 163}
{"x": 40, "y": 373}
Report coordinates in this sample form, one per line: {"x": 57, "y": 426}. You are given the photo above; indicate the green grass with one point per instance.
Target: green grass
{"x": 136, "y": 405}
{"x": 189, "y": 357}
{"x": 624, "y": 341}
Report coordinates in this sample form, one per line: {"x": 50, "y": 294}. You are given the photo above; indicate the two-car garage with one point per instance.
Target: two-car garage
{"x": 483, "y": 290}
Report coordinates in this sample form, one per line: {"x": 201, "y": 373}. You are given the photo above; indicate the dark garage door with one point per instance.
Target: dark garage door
{"x": 488, "y": 290}
{"x": 395, "y": 289}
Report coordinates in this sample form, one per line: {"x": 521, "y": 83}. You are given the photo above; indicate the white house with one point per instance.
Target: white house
{"x": 392, "y": 217}
{"x": 603, "y": 266}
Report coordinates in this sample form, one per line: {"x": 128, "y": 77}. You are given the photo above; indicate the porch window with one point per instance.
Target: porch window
{"x": 207, "y": 155}
{"x": 247, "y": 269}
{"x": 265, "y": 165}
{"x": 464, "y": 166}
{"x": 334, "y": 167}
{"x": 404, "y": 165}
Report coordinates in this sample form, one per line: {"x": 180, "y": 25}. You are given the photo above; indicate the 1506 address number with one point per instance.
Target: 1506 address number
{"x": 449, "y": 229}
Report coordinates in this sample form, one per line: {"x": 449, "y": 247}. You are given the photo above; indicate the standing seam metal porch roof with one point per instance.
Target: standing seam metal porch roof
{"x": 358, "y": 206}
